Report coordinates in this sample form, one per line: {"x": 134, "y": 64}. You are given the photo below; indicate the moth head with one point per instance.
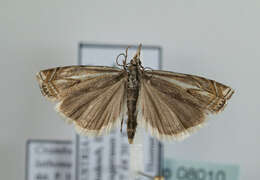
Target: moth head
{"x": 135, "y": 61}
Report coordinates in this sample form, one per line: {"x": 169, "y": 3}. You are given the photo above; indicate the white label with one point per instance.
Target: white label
{"x": 49, "y": 160}
{"x": 108, "y": 157}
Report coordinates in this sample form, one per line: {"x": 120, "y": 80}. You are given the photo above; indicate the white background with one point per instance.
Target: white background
{"x": 218, "y": 39}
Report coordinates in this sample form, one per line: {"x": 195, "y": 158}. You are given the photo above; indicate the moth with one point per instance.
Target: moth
{"x": 169, "y": 105}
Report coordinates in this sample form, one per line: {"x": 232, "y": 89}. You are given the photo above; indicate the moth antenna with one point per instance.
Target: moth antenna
{"x": 124, "y": 65}
{"x": 124, "y": 61}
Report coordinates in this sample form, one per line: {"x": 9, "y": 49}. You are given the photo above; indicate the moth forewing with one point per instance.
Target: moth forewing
{"x": 92, "y": 97}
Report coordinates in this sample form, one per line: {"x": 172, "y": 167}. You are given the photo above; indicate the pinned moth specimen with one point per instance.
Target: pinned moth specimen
{"x": 96, "y": 98}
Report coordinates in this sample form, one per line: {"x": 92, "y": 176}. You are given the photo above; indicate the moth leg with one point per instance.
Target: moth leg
{"x": 122, "y": 121}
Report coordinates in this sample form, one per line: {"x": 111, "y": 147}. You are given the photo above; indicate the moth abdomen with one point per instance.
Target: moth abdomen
{"x": 131, "y": 134}
{"x": 133, "y": 86}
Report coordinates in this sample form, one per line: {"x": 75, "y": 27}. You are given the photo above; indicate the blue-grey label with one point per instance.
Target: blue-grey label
{"x": 192, "y": 170}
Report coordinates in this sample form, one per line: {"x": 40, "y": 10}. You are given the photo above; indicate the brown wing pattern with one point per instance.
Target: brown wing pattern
{"x": 93, "y": 97}
{"x": 171, "y": 105}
